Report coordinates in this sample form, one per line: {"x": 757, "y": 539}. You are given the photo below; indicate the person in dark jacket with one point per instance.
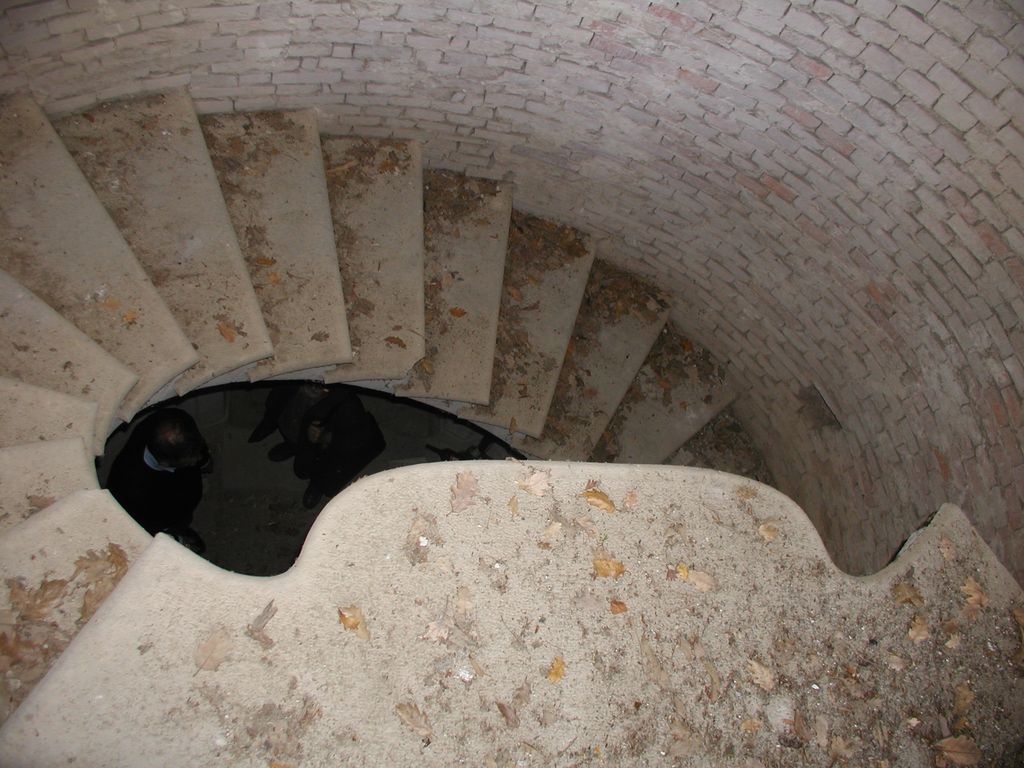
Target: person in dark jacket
{"x": 157, "y": 477}
{"x": 328, "y": 432}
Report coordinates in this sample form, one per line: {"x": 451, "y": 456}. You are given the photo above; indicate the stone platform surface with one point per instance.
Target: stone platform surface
{"x": 552, "y": 614}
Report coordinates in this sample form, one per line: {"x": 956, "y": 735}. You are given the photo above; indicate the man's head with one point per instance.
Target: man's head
{"x": 175, "y": 440}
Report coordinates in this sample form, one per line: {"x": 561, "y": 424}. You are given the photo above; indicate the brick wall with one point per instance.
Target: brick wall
{"x": 834, "y": 190}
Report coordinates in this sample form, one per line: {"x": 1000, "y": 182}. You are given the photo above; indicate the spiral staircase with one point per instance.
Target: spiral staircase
{"x": 150, "y": 253}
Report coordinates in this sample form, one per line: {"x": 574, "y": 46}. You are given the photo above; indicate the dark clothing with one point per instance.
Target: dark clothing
{"x": 157, "y": 500}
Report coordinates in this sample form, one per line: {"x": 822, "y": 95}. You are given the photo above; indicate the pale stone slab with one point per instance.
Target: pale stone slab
{"x": 59, "y": 566}
{"x": 46, "y": 350}
{"x": 427, "y": 624}
{"x": 466, "y": 237}
{"x": 271, "y": 172}
{"x": 376, "y": 193}
{"x": 619, "y": 319}
{"x": 35, "y": 475}
{"x": 678, "y": 390}
{"x": 148, "y": 163}
{"x": 546, "y": 272}
{"x": 58, "y": 240}
{"x": 29, "y": 413}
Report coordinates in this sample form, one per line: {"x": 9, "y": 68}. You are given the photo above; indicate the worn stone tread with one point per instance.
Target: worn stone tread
{"x": 35, "y": 475}
{"x": 619, "y": 319}
{"x": 148, "y": 163}
{"x": 57, "y": 239}
{"x": 58, "y": 567}
{"x": 376, "y": 193}
{"x": 546, "y": 270}
{"x": 466, "y": 237}
{"x": 29, "y": 413}
{"x": 447, "y": 629}
{"x": 271, "y": 173}
{"x": 46, "y": 350}
{"x": 677, "y": 390}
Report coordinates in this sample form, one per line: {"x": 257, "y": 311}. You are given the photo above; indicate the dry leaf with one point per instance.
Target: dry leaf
{"x": 821, "y": 731}
{"x": 255, "y": 630}
{"x": 509, "y": 713}
{"x": 464, "y": 491}
{"x": 598, "y": 499}
{"x": 905, "y": 592}
{"x": 685, "y": 743}
{"x": 895, "y": 662}
{"x": 976, "y": 598}
{"x": 129, "y": 317}
{"x": 351, "y": 617}
{"x": 227, "y": 330}
{"x": 608, "y": 567}
{"x": 412, "y": 717}
{"x": 840, "y": 750}
{"x": 652, "y": 665}
{"x": 918, "y": 631}
{"x": 768, "y": 531}
{"x": 746, "y": 492}
{"x": 213, "y": 651}
{"x": 682, "y": 572}
{"x": 962, "y": 698}
{"x": 35, "y": 604}
{"x": 437, "y": 632}
{"x": 37, "y": 503}
{"x": 457, "y": 312}
{"x": 714, "y": 679}
{"x": 947, "y": 548}
{"x": 557, "y": 669}
{"x": 537, "y": 483}
{"x": 959, "y": 750}
{"x": 751, "y": 725}
{"x": 629, "y": 500}
{"x": 513, "y": 506}
{"x": 761, "y": 675}
{"x": 617, "y": 606}
{"x": 701, "y": 580}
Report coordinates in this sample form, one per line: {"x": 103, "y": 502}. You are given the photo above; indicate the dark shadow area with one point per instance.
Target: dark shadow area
{"x": 255, "y": 512}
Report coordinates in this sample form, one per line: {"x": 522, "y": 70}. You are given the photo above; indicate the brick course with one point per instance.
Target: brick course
{"x": 834, "y": 190}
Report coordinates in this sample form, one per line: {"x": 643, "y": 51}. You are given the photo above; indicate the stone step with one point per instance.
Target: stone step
{"x": 35, "y": 475}
{"x": 619, "y": 320}
{"x": 423, "y": 610}
{"x": 466, "y": 237}
{"x": 59, "y": 241}
{"x": 148, "y": 163}
{"x": 724, "y": 445}
{"x": 46, "y": 350}
{"x": 29, "y": 413}
{"x": 546, "y": 270}
{"x": 271, "y": 173}
{"x": 677, "y": 390}
{"x": 59, "y": 566}
{"x": 376, "y": 194}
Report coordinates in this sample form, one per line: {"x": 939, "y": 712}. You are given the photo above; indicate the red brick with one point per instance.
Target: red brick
{"x": 992, "y": 239}
{"x": 778, "y": 188}
{"x": 673, "y": 18}
{"x": 834, "y": 140}
{"x": 698, "y": 81}
{"x": 752, "y": 185}
{"x": 812, "y": 229}
{"x": 943, "y": 463}
{"x": 812, "y": 67}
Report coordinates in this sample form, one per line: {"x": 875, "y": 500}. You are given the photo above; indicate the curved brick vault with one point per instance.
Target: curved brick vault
{"x": 832, "y": 191}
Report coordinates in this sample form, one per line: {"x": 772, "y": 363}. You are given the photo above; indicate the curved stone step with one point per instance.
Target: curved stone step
{"x": 35, "y": 475}
{"x": 58, "y": 240}
{"x": 58, "y": 567}
{"x": 46, "y": 350}
{"x": 446, "y": 629}
{"x": 546, "y": 272}
{"x": 619, "y": 319}
{"x": 376, "y": 193}
{"x": 677, "y": 390}
{"x": 148, "y": 163}
{"x": 29, "y": 413}
{"x": 271, "y": 173}
{"x": 466, "y": 225}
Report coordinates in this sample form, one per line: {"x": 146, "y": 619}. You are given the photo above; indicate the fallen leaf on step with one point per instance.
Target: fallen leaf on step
{"x": 918, "y": 631}
{"x": 685, "y": 743}
{"x": 414, "y": 718}
{"x": 550, "y": 535}
{"x": 457, "y": 312}
{"x": 629, "y": 500}
{"x": 394, "y": 341}
{"x": 904, "y": 592}
{"x": 437, "y": 632}
{"x": 129, "y": 317}
{"x": 652, "y": 665}
{"x": 959, "y": 750}
{"x": 101, "y": 571}
{"x": 213, "y": 651}
{"x": 704, "y": 582}
{"x": 963, "y": 697}
{"x": 464, "y": 491}
{"x": 895, "y": 662}
{"x": 537, "y": 483}
{"x": 227, "y": 330}
{"x": 768, "y": 531}
{"x": 513, "y": 507}
{"x": 509, "y": 713}
{"x": 762, "y": 676}
{"x": 351, "y": 618}
{"x": 617, "y": 606}
{"x": 426, "y": 366}
{"x": 976, "y": 598}
{"x": 35, "y": 604}
{"x": 751, "y": 725}
{"x": 557, "y": 669}
{"x": 36, "y": 503}
{"x": 598, "y": 499}
{"x": 110, "y": 302}
{"x": 608, "y": 567}
{"x": 840, "y": 749}
{"x": 952, "y": 630}
{"x": 947, "y": 548}
{"x": 255, "y": 630}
